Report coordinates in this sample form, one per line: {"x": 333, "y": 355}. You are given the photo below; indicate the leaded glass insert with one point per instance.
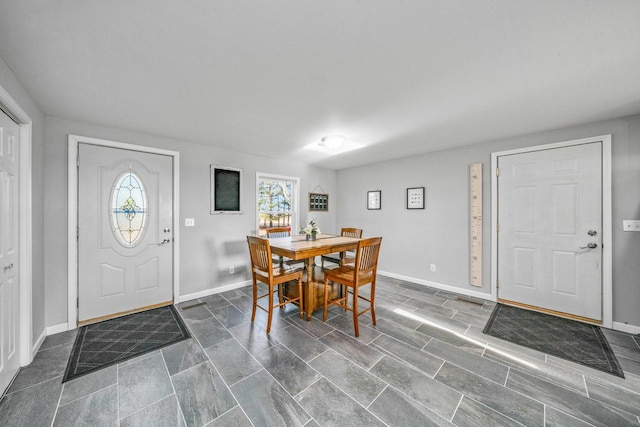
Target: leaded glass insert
{"x": 128, "y": 209}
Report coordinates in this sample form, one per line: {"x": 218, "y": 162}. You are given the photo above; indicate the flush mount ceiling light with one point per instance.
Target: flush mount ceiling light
{"x": 332, "y": 141}
{"x": 333, "y": 144}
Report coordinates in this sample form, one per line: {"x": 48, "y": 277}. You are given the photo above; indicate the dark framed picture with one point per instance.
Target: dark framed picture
{"x": 225, "y": 190}
{"x": 374, "y": 200}
{"x": 415, "y": 198}
{"x": 318, "y": 202}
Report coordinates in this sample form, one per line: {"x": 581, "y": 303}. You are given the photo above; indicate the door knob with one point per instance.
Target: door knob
{"x": 590, "y": 246}
{"x": 592, "y": 232}
{"x": 8, "y": 267}
{"x": 164, "y": 242}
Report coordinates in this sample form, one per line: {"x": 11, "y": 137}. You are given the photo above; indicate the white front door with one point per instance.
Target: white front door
{"x": 550, "y": 229}
{"x": 9, "y": 278}
{"x": 125, "y": 240}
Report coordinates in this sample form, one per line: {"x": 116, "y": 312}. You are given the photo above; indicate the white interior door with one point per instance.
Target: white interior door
{"x": 125, "y": 240}
{"x": 550, "y": 229}
{"x": 9, "y": 278}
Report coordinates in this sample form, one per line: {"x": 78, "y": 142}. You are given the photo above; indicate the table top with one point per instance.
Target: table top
{"x": 297, "y": 247}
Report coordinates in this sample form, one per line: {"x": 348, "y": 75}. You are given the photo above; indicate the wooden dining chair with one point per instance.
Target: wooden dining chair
{"x": 362, "y": 273}
{"x": 275, "y": 232}
{"x": 347, "y": 257}
{"x": 278, "y": 232}
{"x": 262, "y": 270}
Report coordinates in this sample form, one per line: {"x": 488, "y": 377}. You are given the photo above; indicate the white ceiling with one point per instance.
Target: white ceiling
{"x": 269, "y": 77}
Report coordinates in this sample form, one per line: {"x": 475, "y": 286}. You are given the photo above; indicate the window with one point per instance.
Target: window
{"x": 128, "y": 209}
{"x": 277, "y": 201}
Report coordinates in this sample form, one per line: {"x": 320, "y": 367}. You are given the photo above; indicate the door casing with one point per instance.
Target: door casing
{"x": 72, "y": 222}
{"x": 28, "y": 348}
{"x": 607, "y": 283}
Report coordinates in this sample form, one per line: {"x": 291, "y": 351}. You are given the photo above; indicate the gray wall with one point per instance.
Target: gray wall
{"x": 10, "y": 83}
{"x": 206, "y": 250}
{"x": 414, "y": 239}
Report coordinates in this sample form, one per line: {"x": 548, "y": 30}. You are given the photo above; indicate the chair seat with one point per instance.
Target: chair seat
{"x": 344, "y": 275}
{"x": 280, "y": 275}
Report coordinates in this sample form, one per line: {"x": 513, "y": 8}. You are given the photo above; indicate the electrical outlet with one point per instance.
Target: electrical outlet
{"x": 189, "y": 222}
{"x": 433, "y": 267}
{"x": 231, "y": 269}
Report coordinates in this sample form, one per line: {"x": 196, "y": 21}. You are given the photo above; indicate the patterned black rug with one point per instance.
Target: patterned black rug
{"x": 112, "y": 341}
{"x": 568, "y": 339}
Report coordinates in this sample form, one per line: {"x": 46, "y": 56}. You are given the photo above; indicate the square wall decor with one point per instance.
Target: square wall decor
{"x": 415, "y": 198}
{"x": 374, "y": 200}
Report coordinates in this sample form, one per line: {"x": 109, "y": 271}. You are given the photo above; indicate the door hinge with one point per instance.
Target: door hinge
{"x": 78, "y": 161}
{"x": 497, "y": 283}
{"x": 77, "y": 302}
{"x": 497, "y": 171}
{"x": 497, "y": 228}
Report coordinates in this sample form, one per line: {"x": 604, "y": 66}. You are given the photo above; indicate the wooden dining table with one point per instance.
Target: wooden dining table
{"x": 299, "y": 248}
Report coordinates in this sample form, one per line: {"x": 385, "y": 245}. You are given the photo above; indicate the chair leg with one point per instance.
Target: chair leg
{"x": 373, "y": 303}
{"x": 326, "y": 300}
{"x": 345, "y": 290}
{"x": 255, "y": 300}
{"x": 300, "y": 296}
{"x": 355, "y": 311}
{"x": 280, "y": 297}
{"x": 270, "y": 315}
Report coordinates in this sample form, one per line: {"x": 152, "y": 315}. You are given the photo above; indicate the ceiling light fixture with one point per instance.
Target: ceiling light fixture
{"x": 333, "y": 141}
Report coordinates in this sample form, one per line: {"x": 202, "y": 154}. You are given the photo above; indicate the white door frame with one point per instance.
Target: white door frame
{"x": 26, "y": 347}
{"x": 607, "y": 282}
{"x": 72, "y": 222}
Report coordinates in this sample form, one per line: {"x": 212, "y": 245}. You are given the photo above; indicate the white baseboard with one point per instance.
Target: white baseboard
{"x": 625, "y": 327}
{"x": 440, "y": 286}
{"x": 36, "y": 346}
{"x": 213, "y": 291}
{"x": 56, "y": 329}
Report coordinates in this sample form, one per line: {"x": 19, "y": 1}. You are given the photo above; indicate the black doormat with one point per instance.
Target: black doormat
{"x": 568, "y": 339}
{"x": 112, "y": 341}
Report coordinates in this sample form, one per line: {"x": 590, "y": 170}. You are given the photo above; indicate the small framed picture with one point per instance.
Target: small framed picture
{"x": 374, "y": 200}
{"x": 415, "y": 198}
{"x": 318, "y": 202}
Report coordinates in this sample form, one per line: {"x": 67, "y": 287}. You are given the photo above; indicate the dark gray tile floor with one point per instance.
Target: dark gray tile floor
{"x": 426, "y": 363}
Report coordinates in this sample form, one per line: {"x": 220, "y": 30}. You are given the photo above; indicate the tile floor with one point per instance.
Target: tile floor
{"x": 426, "y": 363}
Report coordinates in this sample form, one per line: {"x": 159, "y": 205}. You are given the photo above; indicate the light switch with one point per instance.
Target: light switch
{"x": 631, "y": 225}
{"x": 189, "y": 222}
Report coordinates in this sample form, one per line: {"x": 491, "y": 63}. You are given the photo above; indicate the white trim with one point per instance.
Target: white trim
{"x": 607, "y": 253}
{"x": 441, "y": 286}
{"x": 40, "y": 340}
{"x": 625, "y": 327}
{"x": 296, "y": 199}
{"x": 72, "y": 220}
{"x": 218, "y": 290}
{"x": 56, "y": 329}
{"x": 25, "y": 224}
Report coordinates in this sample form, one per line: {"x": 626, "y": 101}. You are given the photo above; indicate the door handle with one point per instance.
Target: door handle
{"x": 8, "y": 267}
{"x": 164, "y": 242}
{"x": 590, "y": 246}
{"x": 592, "y": 232}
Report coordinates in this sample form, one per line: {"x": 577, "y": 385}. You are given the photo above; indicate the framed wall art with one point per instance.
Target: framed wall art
{"x": 415, "y": 198}
{"x": 225, "y": 190}
{"x": 318, "y": 202}
{"x": 374, "y": 200}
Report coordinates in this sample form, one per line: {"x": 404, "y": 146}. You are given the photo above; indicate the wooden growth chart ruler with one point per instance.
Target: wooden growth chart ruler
{"x": 475, "y": 224}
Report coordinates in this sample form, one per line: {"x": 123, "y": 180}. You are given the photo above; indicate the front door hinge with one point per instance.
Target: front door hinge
{"x": 78, "y": 161}
{"x": 497, "y": 171}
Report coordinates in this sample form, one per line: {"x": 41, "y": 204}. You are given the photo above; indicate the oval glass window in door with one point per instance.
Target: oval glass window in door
{"x": 128, "y": 209}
